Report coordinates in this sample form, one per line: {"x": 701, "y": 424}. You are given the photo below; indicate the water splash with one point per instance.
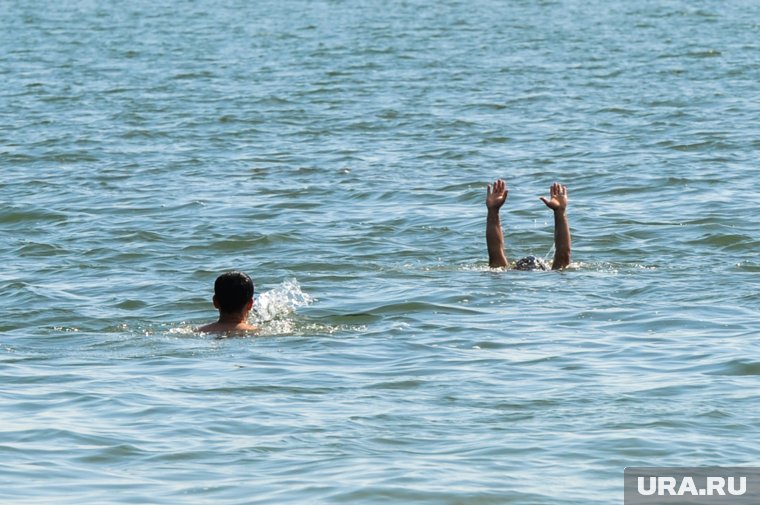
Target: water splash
{"x": 549, "y": 256}
{"x": 182, "y": 330}
{"x": 273, "y": 309}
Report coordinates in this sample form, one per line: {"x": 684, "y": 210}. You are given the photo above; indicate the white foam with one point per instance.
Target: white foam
{"x": 273, "y": 309}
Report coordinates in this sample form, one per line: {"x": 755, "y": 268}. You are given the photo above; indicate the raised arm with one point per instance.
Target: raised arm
{"x": 558, "y": 203}
{"x": 496, "y": 195}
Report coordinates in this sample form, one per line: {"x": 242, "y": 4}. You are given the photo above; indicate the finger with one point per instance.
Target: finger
{"x": 564, "y": 190}
{"x": 488, "y": 190}
{"x": 546, "y": 202}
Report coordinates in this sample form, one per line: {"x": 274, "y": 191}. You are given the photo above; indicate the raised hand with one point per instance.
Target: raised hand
{"x": 496, "y": 195}
{"x": 558, "y": 197}
{"x": 558, "y": 203}
{"x": 495, "y": 198}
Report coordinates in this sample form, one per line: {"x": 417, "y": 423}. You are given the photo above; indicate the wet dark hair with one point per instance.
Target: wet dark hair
{"x": 531, "y": 263}
{"x": 232, "y": 291}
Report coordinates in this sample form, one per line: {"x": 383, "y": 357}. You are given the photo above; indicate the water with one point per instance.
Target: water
{"x": 338, "y": 151}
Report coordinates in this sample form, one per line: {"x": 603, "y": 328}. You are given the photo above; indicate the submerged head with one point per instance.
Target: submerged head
{"x": 233, "y": 292}
{"x": 531, "y": 263}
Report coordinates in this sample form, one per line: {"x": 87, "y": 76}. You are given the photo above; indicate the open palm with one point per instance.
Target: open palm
{"x": 558, "y": 197}
{"x": 496, "y": 194}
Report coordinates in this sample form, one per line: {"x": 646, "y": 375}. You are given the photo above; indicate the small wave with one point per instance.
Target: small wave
{"x": 183, "y": 330}
{"x": 738, "y": 367}
{"x": 574, "y": 265}
{"x": 747, "y": 266}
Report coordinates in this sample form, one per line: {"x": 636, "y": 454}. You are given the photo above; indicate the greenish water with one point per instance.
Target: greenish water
{"x": 338, "y": 151}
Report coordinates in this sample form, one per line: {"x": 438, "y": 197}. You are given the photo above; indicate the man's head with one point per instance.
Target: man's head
{"x": 233, "y": 292}
{"x": 531, "y": 263}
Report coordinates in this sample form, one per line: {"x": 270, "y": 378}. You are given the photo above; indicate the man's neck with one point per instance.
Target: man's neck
{"x": 234, "y": 318}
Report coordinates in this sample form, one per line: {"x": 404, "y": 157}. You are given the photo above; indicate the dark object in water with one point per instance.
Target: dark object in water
{"x": 531, "y": 263}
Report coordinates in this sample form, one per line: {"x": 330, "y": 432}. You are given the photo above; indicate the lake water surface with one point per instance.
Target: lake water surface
{"x": 338, "y": 151}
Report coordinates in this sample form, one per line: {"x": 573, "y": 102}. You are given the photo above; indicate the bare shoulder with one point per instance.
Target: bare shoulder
{"x": 209, "y": 328}
{"x": 227, "y": 328}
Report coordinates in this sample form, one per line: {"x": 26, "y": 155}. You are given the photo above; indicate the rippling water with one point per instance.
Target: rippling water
{"x": 338, "y": 151}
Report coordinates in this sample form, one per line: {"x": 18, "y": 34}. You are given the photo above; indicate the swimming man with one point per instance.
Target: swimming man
{"x": 233, "y": 296}
{"x": 496, "y": 195}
